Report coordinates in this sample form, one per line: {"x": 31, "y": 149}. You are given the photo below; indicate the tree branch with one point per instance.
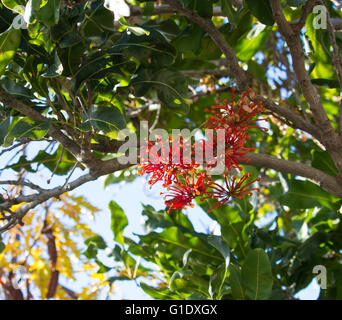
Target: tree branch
{"x": 11, "y": 102}
{"x": 328, "y": 137}
{"x": 325, "y": 181}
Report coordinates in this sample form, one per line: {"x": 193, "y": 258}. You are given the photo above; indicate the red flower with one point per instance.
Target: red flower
{"x": 234, "y": 148}
{"x": 164, "y": 165}
{"x": 185, "y": 191}
{"x": 235, "y": 115}
{"x": 234, "y": 188}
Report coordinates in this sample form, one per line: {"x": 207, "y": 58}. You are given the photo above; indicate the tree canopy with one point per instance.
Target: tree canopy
{"x": 74, "y": 74}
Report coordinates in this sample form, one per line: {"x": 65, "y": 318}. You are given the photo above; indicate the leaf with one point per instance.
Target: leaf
{"x": 220, "y": 245}
{"x": 100, "y": 65}
{"x": 235, "y": 281}
{"x": 256, "y": 275}
{"x": 9, "y": 43}
{"x": 55, "y": 70}
{"x": 94, "y": 243}
{"x": 4, "y": 125}
{"x": 31, "y": 10}
{"x": 246, "y": 48}
{"x": 106, "y": 119}
{"x": 118, "y": 221}
{"x": 162, "y": 294}
{"x": 305, "y": 194}
{"x": 329, "y": 83}
{"x": 138, "y": 31}
{"x": 170, "y": 85}
{"x": 49, "y": 14}
{"x": 27, "y": 128}
{"x": 230, "y": 12}
{"x": 16, "y": 89}
{"x": 295, "y": 3}
{"x": 57, "y": 162}
{"x": 262, "y": 10}
{"x": 2, "y": 246}
{"x": 322, "y": 160}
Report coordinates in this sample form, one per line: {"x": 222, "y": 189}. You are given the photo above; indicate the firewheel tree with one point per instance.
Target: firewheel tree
{"x": 263, "y": 77}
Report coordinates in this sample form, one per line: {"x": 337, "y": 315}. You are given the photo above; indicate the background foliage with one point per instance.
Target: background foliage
{"x": 76, "y": 75}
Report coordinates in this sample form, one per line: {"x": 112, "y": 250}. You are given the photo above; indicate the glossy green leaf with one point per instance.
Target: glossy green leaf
{"x": 262, "y": 10}
{"x": 49, "y": 13}
{"x": 4, "y": 125}
{"x": 118, "y": 221}
{"x": 28, "y": 129}
{"x": 94, "y": 243}
{"x": 107, "y": 119}
{"x": 250, "y": 44}
{"x": 31, "y": 10}
{"x": 55, "y": 70}
{"x": 9, "y": 43}
{"x": 138, "y": 31}
{"x": 162, "y": 293}
{"x": 305, "y": 194}
{"x": 230, "y": 12}
{"x": 256, "y": 275}
{"x": 235, "y": 281}
{"x": 322, "y": 160}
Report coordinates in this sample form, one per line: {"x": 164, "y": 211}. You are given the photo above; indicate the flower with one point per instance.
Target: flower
{"x": 185, "y": 191}
{"x": 234, "y": 188}
{"x": 236, "y": 115}
{"x": 166, "y": 164}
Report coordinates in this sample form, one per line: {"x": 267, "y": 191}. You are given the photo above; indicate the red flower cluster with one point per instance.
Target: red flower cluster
{"x": 184, "y": 179}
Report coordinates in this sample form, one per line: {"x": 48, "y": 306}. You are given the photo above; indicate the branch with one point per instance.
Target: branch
{"x": 306, "y": 10}
{"x": 328, "y": 136}
{"x": 217, "y": 12}
{"x": 336, "y": 62}
{"x": 325, "y": 181}
{"x": 297, "y": 121}
{"x": 19, "y": 106}
{"x": 33, "y": 200}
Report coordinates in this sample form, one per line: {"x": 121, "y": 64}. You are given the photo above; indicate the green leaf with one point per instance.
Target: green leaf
{"x": 257, "y": 275}
{"x": 31, "y": 10}
{"x": 16, "y": 89}
{"x": 9, "y": 43}
{"x": 57, "y": 162}
{"x": 322, "y": 160}
{"x": 250, "y": 44}
{"x": 118, "y": 221}
{"x": 2, "y": 246}
{"x": 219, "y": 244}
{"x": 170, "y": 86}
{"x": 49, "y": 14}
{"x": 27, "y": 128}
{"x": 94, "y": 243}
{"x": 55, "y": 70}
{"x": 138, "y": 31}
{"x": 305, "y": 194}
{"x": 262, "y": 10}
{"x": 107, "y": 119}
{"x": 162, "y": 294}
{"x": 14, "y": 4}
{"x": 230, "y": 12}
{"x": 235, "y": 281}
{"x": 329, "y": 83}
{"x": 100, "y": 65}
{"x": 4, "y": 125}
{"x": 295, "y": 3}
